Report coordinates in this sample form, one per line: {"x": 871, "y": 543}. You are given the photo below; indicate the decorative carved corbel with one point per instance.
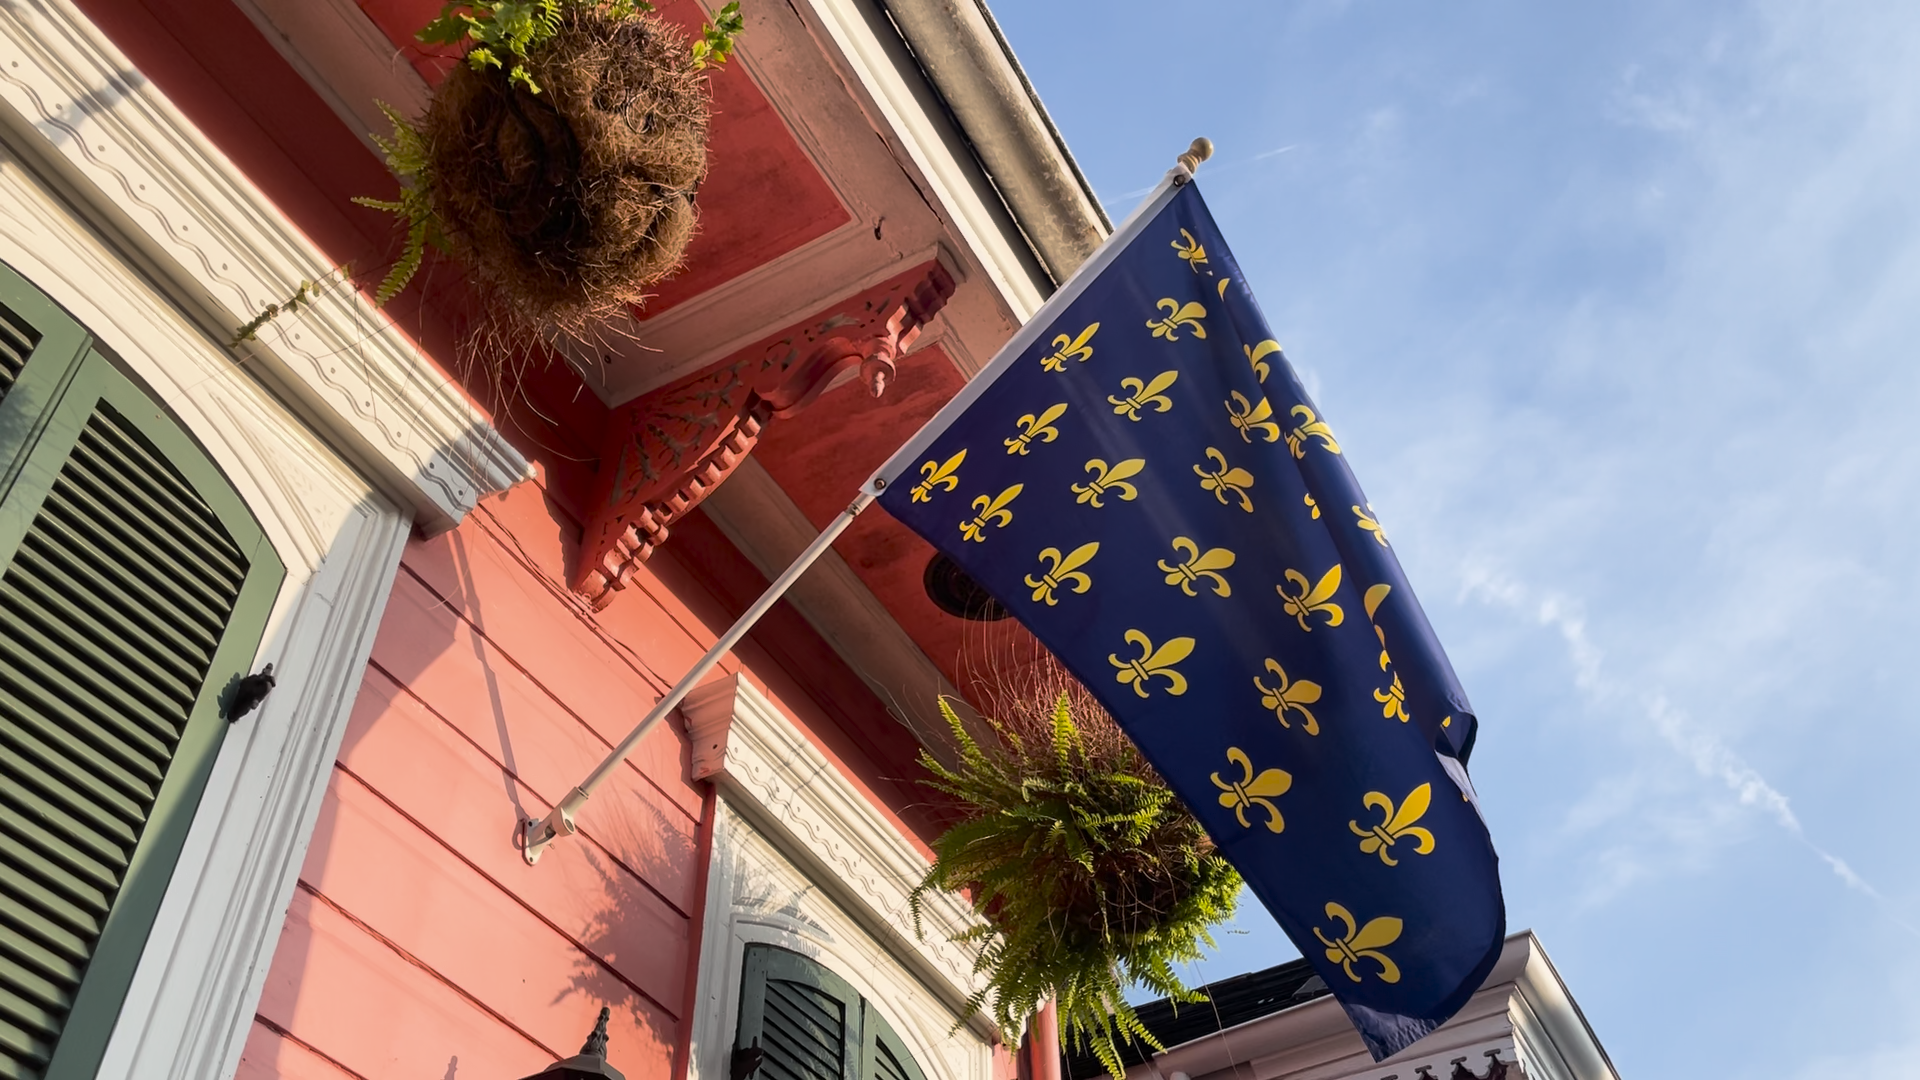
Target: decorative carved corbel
{"x": 708, "y": 711}
{"x": 667, "y": 450}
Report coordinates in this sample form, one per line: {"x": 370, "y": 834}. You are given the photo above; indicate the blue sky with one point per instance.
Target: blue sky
{"x": 1616, "y": 309}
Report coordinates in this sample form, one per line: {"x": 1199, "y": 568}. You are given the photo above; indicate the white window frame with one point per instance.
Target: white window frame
{"x": 337, "y": 433}
{"x": 803, "y": 860}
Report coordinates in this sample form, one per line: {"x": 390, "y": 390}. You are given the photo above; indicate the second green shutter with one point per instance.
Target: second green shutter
{"x": 811, "y": 1025}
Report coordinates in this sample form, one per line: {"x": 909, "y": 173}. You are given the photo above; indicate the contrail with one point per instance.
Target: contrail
{"x": 1708, "y": 756}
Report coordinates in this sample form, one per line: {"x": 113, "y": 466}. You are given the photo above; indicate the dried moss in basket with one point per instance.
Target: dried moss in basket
{"x": 559, "y": 163}
{"x": 1089, "y": 874}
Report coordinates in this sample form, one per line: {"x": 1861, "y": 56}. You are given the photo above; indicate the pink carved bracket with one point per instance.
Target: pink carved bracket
{"x": 667, "y": 450}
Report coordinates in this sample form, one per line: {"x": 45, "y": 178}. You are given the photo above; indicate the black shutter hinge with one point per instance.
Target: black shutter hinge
{"x": 249, "y": 692}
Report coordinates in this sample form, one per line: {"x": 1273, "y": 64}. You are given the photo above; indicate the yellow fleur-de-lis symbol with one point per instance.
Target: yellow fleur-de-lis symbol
{"x": 1393, "y": 696}
{"x": 1376, "y": 596}
{"x": 1248, "y": 417}
{"x": 1290, "y": 695}
{"x": 1251, "y": 790}
{"x": 945, "y": 474}
{"x": 1395, "y": 825}
{"x": 1393, "y": 700}
{"x": 1153, "y": 663}
{"x": 1315, "y": 600}
{"x": 1064, "y": 571}
{"x": 990, "y": 511}
{"x": 1369, "y": 523}
{"x": 1036, "y": 427}
{"x": 1257, "y": 356}
{"x": 1198, "y": 565}
{"x": 1356, "y": 943}
{"x": 1070, "y": 348}
{"x": 1223, "y": 480}
{"x": 1177, "y": 317}
{"x": 1190, "y": 251}
{"x": 1140, "y": 395}
{"x": 1311, "y": 427}
{"x": 1312, "y": 506}
{"x": 1109, "y": 478}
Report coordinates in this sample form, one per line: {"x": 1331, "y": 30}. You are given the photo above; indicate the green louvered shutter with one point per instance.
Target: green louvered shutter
{"x": 805, "y": 1018}
{"x": 134, "y": 588}
{"x": 811, "y": 1025}
{"x": 884, "y": 1056}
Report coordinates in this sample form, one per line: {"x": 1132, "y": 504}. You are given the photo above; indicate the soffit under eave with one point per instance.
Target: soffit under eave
{"x": 880, "y": 177}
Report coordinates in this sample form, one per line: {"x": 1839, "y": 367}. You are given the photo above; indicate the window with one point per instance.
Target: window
{"x": 134, "y": 589}
{"x": 811, "y": 1025}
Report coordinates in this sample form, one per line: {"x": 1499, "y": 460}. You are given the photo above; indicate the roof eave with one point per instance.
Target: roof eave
{"x": 966, "y": 58}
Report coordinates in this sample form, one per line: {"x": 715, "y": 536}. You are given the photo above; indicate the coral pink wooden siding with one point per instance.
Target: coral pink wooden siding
{"x": 418, "y": 944}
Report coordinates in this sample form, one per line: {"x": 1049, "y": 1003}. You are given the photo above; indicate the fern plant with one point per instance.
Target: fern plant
{"x": 503, "y": 32}
{"x": 1089, "y": 874}
{"x": 406, "y": 153}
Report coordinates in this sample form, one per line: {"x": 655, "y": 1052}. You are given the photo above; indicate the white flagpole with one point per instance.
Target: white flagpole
{"x": 559, "y": 820}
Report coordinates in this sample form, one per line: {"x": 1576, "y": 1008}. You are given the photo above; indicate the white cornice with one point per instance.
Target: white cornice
{"x": 139, "y": 168}
{"x": 775, "y": 777}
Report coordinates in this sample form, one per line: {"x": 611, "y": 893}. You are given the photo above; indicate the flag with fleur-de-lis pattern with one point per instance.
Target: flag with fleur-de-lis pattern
{"x": 1142, "y": 480}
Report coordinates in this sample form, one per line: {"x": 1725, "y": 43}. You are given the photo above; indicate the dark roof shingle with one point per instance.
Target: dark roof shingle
{"x": 1234, "y": 1001}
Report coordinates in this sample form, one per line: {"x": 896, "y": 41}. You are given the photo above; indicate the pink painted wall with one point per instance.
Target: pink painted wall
{"x": 417, "y": 943}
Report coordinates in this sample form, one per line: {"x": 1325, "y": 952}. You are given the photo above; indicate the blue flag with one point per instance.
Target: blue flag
{"x": 1141, "y": 479}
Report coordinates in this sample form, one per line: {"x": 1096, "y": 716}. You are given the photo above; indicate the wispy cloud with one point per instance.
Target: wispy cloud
{"x": 1707, "y": 755}
{"x": 1669, "y": 110}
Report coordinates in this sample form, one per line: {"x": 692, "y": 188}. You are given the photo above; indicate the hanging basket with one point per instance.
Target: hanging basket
{"x": 1089, "y": 874}
{"x": 567, "y": 205}
{"x": 559, "y": 163}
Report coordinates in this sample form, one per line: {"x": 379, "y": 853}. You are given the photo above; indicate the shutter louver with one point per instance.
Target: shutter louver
{"x": 804, "y": 1034}
{"x": 810, "y": 1025}
{"x": 16, "y": 344}
{"x": 886, "y": 1066}
{"x": 110, "y": 614}
{"x": 887, "y": 1058}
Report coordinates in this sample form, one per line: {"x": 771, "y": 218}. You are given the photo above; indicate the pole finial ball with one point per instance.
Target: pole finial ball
{"x": 1201, "y": 150}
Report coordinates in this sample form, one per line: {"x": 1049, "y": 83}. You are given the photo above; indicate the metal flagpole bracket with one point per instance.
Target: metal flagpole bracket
{"x": 1186, "y": 164}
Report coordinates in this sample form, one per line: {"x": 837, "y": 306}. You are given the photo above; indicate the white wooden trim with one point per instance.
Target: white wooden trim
{"x": 801, "y": 858}
{"x": 757, "y": 894}
{"x": 193, "y": 994}
{"x": 191, "y": 1003}
{"x": 223, "y": 251}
